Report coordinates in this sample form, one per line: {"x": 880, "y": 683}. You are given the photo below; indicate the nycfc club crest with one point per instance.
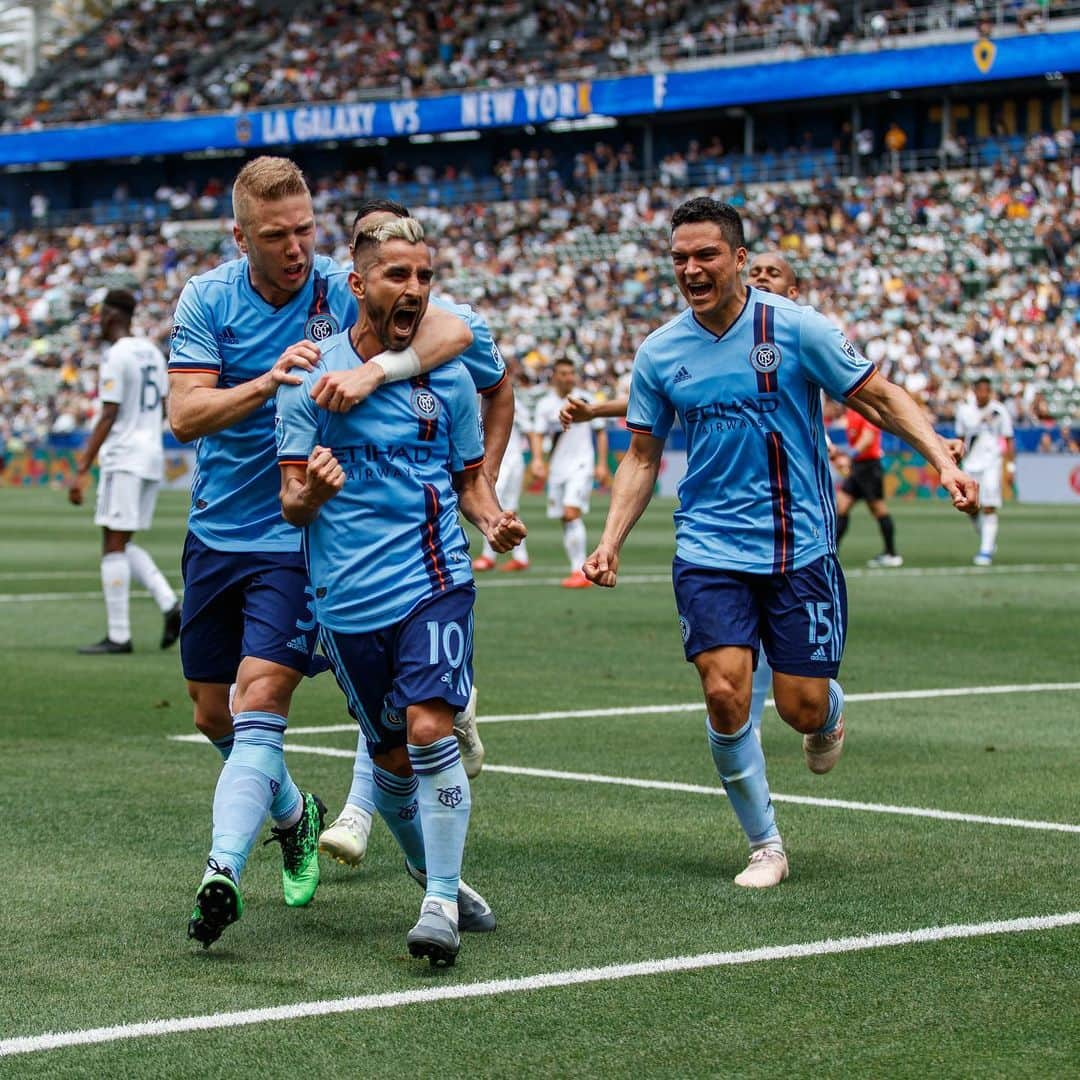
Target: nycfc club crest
{"x": 320, "y": 327}
{"x": 765, "y": 358}
{"x": 684, "y": 629}
{"x": 425, "y": 404}
{"x": 849, "y": 349}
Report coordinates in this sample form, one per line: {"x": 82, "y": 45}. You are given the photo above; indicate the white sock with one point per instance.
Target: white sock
{"x": 976, "y": 523}
{"x": 988, "y": 534}
{"x": 150, "y": 577}
{"x": 489, "y": 551}
{"x": 573, "y": 539}
{"x": 521, "y": 552}
{"x": 116, "y": 584}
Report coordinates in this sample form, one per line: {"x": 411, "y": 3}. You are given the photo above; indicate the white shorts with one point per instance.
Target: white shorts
{"x": 569, "y": 489}
{"x": 989, "y": 485}
{"x": 125, "y": 502}
{"x": 511, "y": 475}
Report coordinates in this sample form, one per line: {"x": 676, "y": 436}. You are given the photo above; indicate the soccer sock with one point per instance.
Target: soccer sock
{"x": 759, "y": 692}
{"x": 361, "y": 794}
{"x": 150, "y": 577}
{"x": 488, "y": 551}
{"x": 741, "y": 765}
{"x": 976, "y": 524}
{"x": 224, "y": 746}
{"x": 573, "y": 539}
{"x": 888, "y": 533}
{"x": 248, "y": 784}
{"x": 116, "y": 584}
{"x": 836, "y": 708}
{"x": 841, "y": 526}
{"x": 521, "y": 552}
{"x": 988, "y": 534}
{"x": 396, "y": 801}
{"x": 445, "y": 801}
{"x": 288, "y": 805}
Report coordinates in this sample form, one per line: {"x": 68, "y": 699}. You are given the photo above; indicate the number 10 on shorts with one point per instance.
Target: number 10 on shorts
{"x": 450, "y": 637}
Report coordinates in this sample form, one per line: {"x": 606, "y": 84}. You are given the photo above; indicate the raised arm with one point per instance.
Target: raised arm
{"x": 635, "y": 481}
{"x": 442, "y": 335}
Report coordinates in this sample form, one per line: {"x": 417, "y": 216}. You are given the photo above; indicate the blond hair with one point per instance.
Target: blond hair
{"x": 367, "y": 241}
{"x": 265, "y": 179}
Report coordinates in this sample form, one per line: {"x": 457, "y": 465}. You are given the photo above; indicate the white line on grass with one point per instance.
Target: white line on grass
{"x": 29, "y": 1044}
{"x": 697, "y": 706}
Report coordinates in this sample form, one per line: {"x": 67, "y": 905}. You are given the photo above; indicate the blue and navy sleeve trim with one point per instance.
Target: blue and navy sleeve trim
{"x": 861, "y": 381}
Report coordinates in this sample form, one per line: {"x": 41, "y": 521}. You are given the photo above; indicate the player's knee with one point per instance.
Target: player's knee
{"x": 428, "y": 723}
{"x": 803, "y": 710}
{"x": 212, "y": 716}
{"x": 728, "y": 705}
{"x": 570, "y": 513}
{"x": 267, "y": 692}
{"x": 395, "y": 760}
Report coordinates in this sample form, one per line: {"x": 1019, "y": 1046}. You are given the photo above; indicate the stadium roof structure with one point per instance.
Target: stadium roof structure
{"x": 34, "y": 31}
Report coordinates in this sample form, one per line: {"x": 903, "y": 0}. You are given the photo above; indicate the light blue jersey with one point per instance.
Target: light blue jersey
{"x": 482, "y": 358}
{"x": 390, "y": 539}
{"x": 757, "y": 495}
{"x": 222, "y": 326}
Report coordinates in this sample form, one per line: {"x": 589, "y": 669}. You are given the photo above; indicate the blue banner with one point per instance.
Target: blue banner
{"x": 838, "y": 76}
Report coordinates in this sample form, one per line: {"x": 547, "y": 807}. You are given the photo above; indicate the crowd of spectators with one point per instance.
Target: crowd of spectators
{"x": 935, "y": 276}
{"x": 153, "y": 59}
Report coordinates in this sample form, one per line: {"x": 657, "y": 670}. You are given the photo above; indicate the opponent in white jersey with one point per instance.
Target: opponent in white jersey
{"x": 509, "y": 483}
{"x": 127, "y": 439}
{"x": 987, "y": 431}
{"x": 572, "y": 465}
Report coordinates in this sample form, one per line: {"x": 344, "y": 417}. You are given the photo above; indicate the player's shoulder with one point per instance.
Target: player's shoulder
{"x": 673, "y": 328}
{"x": 331, "y": 269}
{"x": 783, "y": 304}
{"x": 224, "y": 275}
{"x": 451, "y": 375}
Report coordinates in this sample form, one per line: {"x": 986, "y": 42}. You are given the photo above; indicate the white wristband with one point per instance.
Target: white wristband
{"x": 398, "y": 365}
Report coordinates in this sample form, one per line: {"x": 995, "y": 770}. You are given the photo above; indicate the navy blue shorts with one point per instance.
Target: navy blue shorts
{"x": 245, "y": 603}
{"x": 800, "y": 618}
{"x": 428, "y": 655}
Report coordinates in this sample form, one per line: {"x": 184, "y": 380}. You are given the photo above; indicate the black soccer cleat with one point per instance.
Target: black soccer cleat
{"x": 217, "y": 905}
{"x": 106, "y": 646}
{"x": 171, "y": 630}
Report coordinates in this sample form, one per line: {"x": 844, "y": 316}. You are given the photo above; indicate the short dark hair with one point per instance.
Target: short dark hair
{"x": 982, "y": 380}
{"x": 121, "y": 300}
{"x": 564, "y": 361}
{"x": 705, "y": 209}
{"x": 376, "y": 206}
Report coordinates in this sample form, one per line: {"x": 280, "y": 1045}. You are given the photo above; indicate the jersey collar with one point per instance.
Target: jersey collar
{"x": 705, "y": 332}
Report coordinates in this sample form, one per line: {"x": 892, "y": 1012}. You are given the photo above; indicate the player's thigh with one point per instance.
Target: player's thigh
{"x": 212, "y": 613}
{"x": 804, "y": 619}
{"x": 989, "y": 487}
{"x": 726, "y": 674}
{"x": 556, "y": 491}
{"x": 148, "y": 496}
{"x": 508, "y": 486}
{"x": 363, "y": 665}
{"x": 279, "y": 613}
{"x": 716, "y": 608}
{"x": 117, "y": 506}
{"x": 578, "y": 489}
{"x": 433, "y": 652}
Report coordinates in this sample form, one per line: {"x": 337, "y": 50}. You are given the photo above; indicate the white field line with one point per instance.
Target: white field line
{"x": 658, "y": 578}
{"x": 801, "y": 800}
{"x": 29, "y": 1044}
{"x": 697, "y": 706}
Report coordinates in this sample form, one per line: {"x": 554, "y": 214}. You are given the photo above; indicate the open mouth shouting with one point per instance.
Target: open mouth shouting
{"x": 699, "y": 290}
{"x": 294, "y": 272}
{"x": 404, "y": 321}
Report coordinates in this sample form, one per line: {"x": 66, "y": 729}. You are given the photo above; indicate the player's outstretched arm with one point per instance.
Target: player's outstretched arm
{"x": 305, "y": 489}
{"x": 442, "y": 335}
{"x": 109, "y": 412}
{"x": 902, "y": 416}
{"x": 953, "y": 447}
{"x": 476, "y": 499}
{"x": 631, "y": 491}
{"x": 198, "y": 406}
{"x": 537, "y": 464}
{"x": 576, "y": 411}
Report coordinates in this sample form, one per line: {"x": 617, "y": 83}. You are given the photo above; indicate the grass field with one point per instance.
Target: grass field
{"x": 947, "y": 814}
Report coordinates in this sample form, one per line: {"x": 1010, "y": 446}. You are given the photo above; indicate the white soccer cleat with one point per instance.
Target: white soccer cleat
{"x": 472, "y": 749}
{"x": 982, "y": 559}
{"x": 768, "y": 866}
{"x": 822, "y": 751}
{"x": 886, "y": 561}
{"x": 347, "y": 838}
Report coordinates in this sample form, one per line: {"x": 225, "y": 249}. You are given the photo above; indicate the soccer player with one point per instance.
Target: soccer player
{"x": 986, "y": 428}
{"x": 346, "y": 838}
{"x": 241, "y": 332}
{"x": 573, "y": 466}
{"x": 132, "y": 386}
{"x": 755, "y": 544}
{"x": 866, "y": 481}
{"x": 377, "y": 491}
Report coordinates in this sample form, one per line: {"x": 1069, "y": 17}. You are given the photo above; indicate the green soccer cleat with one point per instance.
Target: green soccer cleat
{"x": 300, "y": 853}
{"x": 217, "y": 905}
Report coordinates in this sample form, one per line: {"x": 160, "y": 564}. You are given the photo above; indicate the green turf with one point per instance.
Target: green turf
{"x": 107, "y": 824}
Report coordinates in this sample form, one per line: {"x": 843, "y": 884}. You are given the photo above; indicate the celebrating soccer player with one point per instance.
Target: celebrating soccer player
{"x": 377, "y": 490}
{"x": 755, "y": 531}
{"x": 240, "y": 333}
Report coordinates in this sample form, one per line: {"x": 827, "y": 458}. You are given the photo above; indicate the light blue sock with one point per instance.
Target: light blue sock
{"x": 396, "y": 801}
{"x": 248, "y": 784}
{"x": 836, "y": 708}
{"x": 224, "y": 746}
{"x": 445, "y": 802}
{"x": 362, "y": 793}
{"x": 760, "y": 691}
{"x": 741, "y": 765}
{"x": 288, "y": 803}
